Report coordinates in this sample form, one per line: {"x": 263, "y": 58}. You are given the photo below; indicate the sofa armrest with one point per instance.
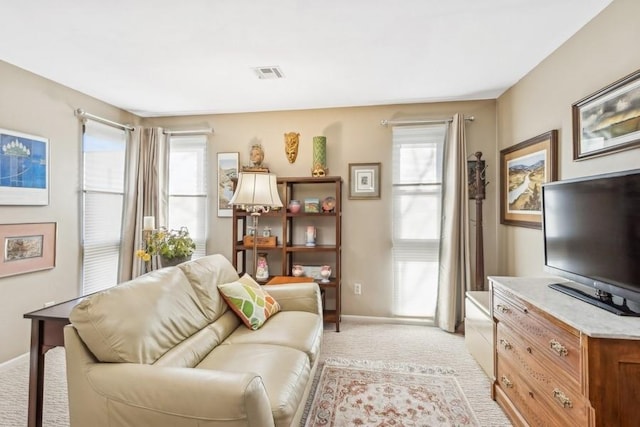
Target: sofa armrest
{"x": 297, "y": 296}
{"x": 139, "y": 392}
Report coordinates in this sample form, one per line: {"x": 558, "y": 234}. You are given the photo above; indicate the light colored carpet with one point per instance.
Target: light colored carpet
{"x": 365, "y": 392}
{"x": 377, "y": 342}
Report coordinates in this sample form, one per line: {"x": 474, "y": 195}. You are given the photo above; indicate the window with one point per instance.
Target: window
{"x": 417, "y": 200}
{"x": 103, "y": 166}
{"x": 188, "y": 187}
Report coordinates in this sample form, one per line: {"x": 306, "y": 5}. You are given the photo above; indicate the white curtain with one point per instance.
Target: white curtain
{"x": 146, "y": 194}
{"x": 455, "y": 270}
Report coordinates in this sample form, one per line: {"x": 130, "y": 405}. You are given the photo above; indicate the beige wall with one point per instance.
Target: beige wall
{"x": 605, "y": 50}
{"x": 354, "y": 135}
{"x": 599, "y": 54}
{"x": 36, "y": 106}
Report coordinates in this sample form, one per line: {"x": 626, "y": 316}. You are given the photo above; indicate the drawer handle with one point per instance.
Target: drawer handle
{"x": 562, "y": 398}
{"x": 505, "y": 344}
{"x": 558, "y": 348}
{"x": 503, "y": 309}
{"x": 506, "y": 382}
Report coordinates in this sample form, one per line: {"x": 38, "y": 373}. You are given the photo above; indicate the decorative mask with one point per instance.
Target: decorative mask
{"x": 291, "y": 142}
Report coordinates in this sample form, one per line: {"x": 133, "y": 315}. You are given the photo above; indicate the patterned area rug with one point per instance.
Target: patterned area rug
{"x": 369, "y": 393}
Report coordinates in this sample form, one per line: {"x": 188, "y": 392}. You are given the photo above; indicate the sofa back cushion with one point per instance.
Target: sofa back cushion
{"x": 140, "y": 320}
{"x": 205, "y": 274}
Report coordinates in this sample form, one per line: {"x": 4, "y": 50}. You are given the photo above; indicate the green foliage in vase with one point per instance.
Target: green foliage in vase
{"x": 168, "y": 244}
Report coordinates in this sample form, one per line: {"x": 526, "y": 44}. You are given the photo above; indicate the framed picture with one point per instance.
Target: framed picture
{"x": 228, "y": 164}
{"x": 24, "y": 169}
{"x": 27, "y": 247}
{"x": 524, "y": 167}
{"x": 364, "y": 180}
{"x": 608, "y": 120}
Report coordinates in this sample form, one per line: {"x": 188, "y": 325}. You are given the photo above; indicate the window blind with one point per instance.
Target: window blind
{"x": 103, "y": 164}
{"x": 417, "y": 163}
{"x": 188, "y": 187}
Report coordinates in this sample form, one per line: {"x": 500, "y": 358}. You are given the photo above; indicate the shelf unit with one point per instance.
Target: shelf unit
{"x": 290, "y": 230}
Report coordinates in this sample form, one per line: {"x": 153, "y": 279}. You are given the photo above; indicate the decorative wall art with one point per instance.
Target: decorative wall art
{"x": 24, "y": 169}
{"x": 524, "y": 167}
{"x": 27, "y": 247}
{"x": 228, "y": 164}
{"x": 608, "y": 120}
{"x": 291, "y": 144}
{"x": 364, "y": 180}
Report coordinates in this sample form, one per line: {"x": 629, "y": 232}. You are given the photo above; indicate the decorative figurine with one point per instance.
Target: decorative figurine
{"x": 291, "y": 143}
{"x": 256, "y": 156}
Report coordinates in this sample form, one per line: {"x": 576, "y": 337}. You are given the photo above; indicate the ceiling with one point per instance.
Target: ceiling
{"x": 166, "y": 58}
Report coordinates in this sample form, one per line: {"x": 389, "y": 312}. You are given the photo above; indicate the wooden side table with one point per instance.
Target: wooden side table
{"x": 283, "y": 280}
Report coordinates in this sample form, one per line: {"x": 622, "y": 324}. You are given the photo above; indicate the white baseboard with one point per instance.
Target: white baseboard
{"x": 5, "y": 366}
{"x": 392, "y": 320}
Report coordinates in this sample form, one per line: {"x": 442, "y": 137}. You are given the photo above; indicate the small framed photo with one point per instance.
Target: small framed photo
{"x": 608, "y": 120}
{"x": 524, "y": 167}
{"x": 228, "y": 164}
{"x": 27, "y": 247}
{"x": 364, "y": 180}
{"x": 24, "y": 169}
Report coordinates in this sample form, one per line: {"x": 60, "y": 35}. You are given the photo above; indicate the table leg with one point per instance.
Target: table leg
{"x": 36, "y": 373}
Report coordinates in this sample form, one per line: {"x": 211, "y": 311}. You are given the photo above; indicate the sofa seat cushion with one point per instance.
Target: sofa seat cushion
{"x": 140, "y": 320}
{"x": 296, "y": 329}
{"x": 284, "y": 371}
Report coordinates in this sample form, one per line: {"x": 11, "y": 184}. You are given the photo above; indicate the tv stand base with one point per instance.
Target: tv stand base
{"x": 602, "y": 301}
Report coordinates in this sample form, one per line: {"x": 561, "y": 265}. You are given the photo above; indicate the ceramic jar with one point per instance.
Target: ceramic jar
{"x": 294, "y": 206}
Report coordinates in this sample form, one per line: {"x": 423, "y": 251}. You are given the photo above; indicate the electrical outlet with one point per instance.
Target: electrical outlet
{"x": 357, "y": 288}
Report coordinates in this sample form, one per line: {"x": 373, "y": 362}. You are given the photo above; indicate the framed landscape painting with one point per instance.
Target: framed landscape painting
{"x": 228, "y": 164}
{"x": 24, "y": 169}
{"x": 27, "y": 247}
{"x": 524, "y": 167}
{"x": 608, "y": 120}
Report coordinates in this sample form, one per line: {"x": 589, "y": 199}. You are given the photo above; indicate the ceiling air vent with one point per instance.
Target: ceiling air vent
{"x": 270, "y": 73}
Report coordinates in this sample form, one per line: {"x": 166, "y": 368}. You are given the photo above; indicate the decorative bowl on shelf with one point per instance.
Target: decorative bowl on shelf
{"x": 297, "y": 270}
{"x": 325, "y": 273}
{"x": 328, "y": 204}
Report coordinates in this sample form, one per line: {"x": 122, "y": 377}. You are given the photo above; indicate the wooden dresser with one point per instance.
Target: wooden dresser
{"x": 560, "y": 361}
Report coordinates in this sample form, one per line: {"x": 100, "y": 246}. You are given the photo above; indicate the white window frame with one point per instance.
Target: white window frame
{"x": 198, "y": 232}
{"x": 416, "y": 217}
{"x": 100, "y": 243}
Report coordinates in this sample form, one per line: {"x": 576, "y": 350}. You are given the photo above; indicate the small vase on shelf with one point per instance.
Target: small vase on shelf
{"x": 262, "y": 272}
{"x": 325, "y": 273}
{"x": 311, "y": 236}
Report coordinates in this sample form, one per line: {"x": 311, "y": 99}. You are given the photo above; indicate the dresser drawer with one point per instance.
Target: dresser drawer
{"x": 547, "y": 382}
{"x": 509, "y": 381}
{"x": 558, "y": 343}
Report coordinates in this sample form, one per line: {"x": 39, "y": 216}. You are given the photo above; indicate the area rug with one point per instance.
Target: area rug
{"x": 371, "y": 393}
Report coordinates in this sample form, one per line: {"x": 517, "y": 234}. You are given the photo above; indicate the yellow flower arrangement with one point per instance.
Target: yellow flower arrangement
{"x": 167, "y": 244}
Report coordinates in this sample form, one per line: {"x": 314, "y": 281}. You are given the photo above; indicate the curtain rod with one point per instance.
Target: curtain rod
{"x": 419, "y": 122}
{"x": 83, "y": 114}
{"x": 188, "y": 132}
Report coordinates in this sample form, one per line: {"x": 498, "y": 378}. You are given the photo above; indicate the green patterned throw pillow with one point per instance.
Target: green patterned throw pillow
{"x": 249, "y": 301}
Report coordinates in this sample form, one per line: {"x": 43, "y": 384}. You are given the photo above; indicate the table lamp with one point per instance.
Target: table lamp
{"x": 256, "y": 193}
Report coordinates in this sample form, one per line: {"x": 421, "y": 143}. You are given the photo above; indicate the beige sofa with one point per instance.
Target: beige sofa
{"x": 165, "y": 350}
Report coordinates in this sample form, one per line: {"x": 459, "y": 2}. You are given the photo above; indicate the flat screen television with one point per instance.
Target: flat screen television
{"x": 591, "y": 230}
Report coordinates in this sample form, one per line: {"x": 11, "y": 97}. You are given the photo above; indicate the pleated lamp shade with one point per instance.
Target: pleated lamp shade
{"x": 257, "y": 189}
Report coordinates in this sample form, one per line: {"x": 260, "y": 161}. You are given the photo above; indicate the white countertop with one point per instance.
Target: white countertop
{"x": 590, "y": 320}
